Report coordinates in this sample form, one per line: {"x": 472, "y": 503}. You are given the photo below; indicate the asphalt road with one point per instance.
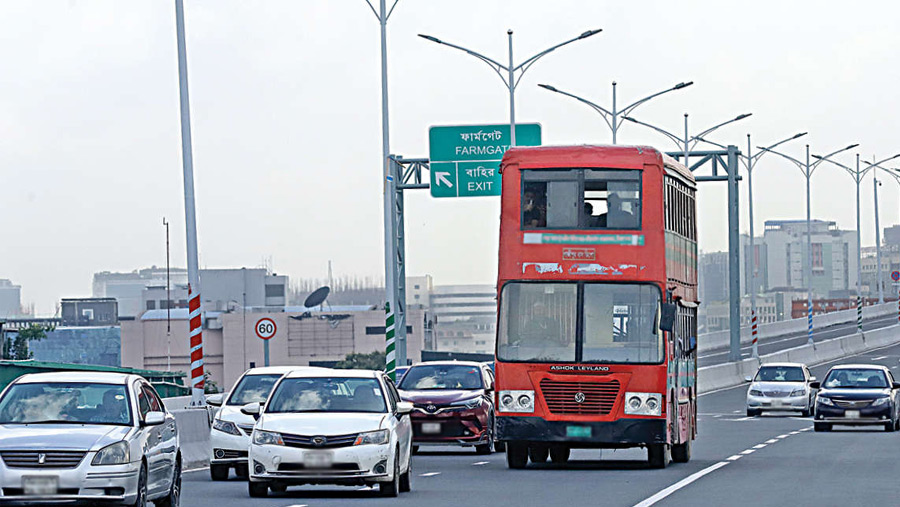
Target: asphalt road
{"x": 760, "y": 461}
{"x": 776, "y": 343}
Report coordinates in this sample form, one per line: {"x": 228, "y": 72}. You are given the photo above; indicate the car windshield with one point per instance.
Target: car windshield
{"x": 75, "y": 403}
{"x": 327, "y": 394}
{"x": 442, "y": 376}
{"x": 253, "y": 389}
{"x": 856, "y": 378}
{"x": 780, "y": 374}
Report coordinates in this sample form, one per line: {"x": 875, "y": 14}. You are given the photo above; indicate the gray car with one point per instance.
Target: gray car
{"x": 91, "y": 438}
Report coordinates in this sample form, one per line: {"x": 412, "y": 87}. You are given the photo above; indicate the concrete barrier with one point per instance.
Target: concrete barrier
{"x": 711, "y": 378}
{"x": 193, "y": 434}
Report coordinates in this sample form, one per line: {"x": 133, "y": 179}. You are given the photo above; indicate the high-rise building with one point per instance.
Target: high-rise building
{"x": 10, "y": 299}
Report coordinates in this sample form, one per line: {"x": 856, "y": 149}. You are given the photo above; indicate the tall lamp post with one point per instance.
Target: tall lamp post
{"x": 807, "y": 169}
{"x": 858, "y": 175}
{"x": 510, "y": 80}
{"x": 750, "y": 161}
{"x": 615, "y": 117}
{"x": 687, "y": 143}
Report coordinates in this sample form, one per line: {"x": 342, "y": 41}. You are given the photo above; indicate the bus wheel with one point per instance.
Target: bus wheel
{"x": 538, "y": 453}
{"x": 559, "y": 454}
{"x": 516, "y": 455}
{"x": 658, "y": 455}
{"x": 681, "y": 453}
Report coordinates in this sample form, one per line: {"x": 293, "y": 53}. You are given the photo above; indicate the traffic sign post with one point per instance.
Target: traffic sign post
{"x": 265, "y": 330}
{"x": 465, "y": 160}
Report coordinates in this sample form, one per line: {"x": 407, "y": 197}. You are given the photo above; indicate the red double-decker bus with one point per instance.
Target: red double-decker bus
{"x": 596, "y": 334}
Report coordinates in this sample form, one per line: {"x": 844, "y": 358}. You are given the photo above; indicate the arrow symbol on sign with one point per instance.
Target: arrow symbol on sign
{"x": 442, "y": 177}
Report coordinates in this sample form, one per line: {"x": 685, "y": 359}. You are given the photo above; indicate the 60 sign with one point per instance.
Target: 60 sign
{"x": 266, "y": 328}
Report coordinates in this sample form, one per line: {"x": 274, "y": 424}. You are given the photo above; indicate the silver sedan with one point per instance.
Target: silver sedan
{"x": 87, "y": 438}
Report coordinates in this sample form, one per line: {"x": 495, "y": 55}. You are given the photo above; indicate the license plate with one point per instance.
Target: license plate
{"x": 431, "y": 428}
{"x": 777, "y": 403}
{"x": 578, "y": 431}
{"x": 852, "y": 414}
{"x": 317, "y": 459}
{"x": 40, "y": 486}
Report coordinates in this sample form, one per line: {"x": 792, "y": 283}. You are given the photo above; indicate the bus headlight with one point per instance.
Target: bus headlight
{"x": 643, "y": 403}
{"x": 516, "y": 401}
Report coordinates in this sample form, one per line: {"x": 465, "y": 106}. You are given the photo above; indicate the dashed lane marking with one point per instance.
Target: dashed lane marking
{"x": 759, "y": 446}
{"x": 480, "y": 463}
{"x": 748, "y": 451}
{"x": 680, "y": 484}
{"x": 429, "y": 474}
{"x": 879, "y": 358}
{"x": 735, "y": 457}
{"x": 772, "y": 440}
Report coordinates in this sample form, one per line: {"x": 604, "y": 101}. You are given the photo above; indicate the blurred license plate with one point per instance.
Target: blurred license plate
{"x": 777, "y": 403}
{"x": 431, "y": 428}
{"x": 852, "y": 414}
{"x": 578, "y": 431}
{"x": 317, "y": 459}
{"x": 40, "y": 486}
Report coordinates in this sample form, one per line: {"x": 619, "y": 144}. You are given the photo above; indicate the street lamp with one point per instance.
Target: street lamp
{"x": 511, "y": 81}
{"x": 807, "y": 169}
{"x": 685, "y": 144}
{"x": 858, "y": 175}
{"x": 750, "y": 162}
{"x": 612, "y": 118}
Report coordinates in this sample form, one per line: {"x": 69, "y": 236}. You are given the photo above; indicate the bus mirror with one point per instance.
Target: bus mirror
{"x": 667, "y": 319}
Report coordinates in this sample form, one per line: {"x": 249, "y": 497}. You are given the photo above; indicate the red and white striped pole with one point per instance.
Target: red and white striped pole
{"x": 754, "y": 331}
{"x": 190, "y": 217}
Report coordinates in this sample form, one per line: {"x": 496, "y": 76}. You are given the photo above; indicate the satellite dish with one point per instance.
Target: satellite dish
{"x": 317, "y": 297}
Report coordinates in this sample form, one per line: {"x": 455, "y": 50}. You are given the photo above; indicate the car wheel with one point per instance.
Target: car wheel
{"x": 278, "y": 488}
{"x": 681, "y": 453}
{"x": 889, "y": 427}
{"x": 753, "y": 413}
{"x": 173, "y": 499}
{"x": 405, "y": 485}
{"x": 559, "y": 454}
{"x": 658, "y": 455}
{"x": 218, "y": 472}
{"x": 516, "y": 455}
{"x": 499, "y": 446}
{"x": 538, "y": 453}
{"x": 258, "y": 489}
{"x": 392, "y": 489}
{"x": 805, "y": 413}
{"x": 821, "y": 426}
{"x": 242, "y": 471}
{"x": 141, "y": 500}
{"x": 415, "y": 449}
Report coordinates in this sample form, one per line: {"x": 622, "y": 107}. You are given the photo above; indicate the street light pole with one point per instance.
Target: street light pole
{"x": 615, "y": 117}
{"x": 511, "y": 81}
{"x": 878, "y": 245}
{"x": 685, "y": 145}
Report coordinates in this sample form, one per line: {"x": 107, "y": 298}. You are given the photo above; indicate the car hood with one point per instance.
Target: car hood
{"x": 334, "y": 423}
{"x": 854, "y": 393}
{"x": 233, "y": 414}
{"x": 778, "y": 387}
{"x": 60, "y": 436}
{"x": 439, "y": 396}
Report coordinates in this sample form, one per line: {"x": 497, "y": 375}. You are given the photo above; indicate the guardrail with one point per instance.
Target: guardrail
{"x": 721, "y": 339}
{"x": 711, "y": 378}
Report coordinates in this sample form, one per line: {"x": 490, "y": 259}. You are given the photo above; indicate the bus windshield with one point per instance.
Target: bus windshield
{"x": 619, "y": 323}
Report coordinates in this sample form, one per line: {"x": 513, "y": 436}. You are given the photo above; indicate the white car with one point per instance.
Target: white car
{"x": 779, "y": 387}
{"x": 231, "y": 429}
{"x": 87, "y": 437}
{"x": 345, "y": 427}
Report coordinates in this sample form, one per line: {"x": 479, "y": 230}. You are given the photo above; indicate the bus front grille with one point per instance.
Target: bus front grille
{"x": 580, "y": 398}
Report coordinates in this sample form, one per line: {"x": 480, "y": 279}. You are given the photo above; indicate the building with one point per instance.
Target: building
{"x": 128, "y": 288}
{"x": 890, "y": 262}
{"x": 10, "y": 299}
{"x": 712, "y": 275}
{"x": 465, "y": 318}
{"x": 78, "y": 312}
{"x": 97, "y": 345}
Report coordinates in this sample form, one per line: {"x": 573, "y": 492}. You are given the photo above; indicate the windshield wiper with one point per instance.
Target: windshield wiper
{"x": 53, "y": 421}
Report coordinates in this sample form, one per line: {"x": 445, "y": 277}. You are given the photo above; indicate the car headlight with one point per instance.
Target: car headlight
{"x": 643, "y": 403}
{"x": 516, "y": 401}
{"x": 755, "y": 392}
{"x": 880, "y": 401}
{"x": 114, "y": 454}
{"x": 825, "y": 401}
{"x": 372, "y": 437}
{"x": 798, "y": 392}
{"x": 262, "y": 437}
{"x": 226, "y": 427}
{"x": 472, "y": 403}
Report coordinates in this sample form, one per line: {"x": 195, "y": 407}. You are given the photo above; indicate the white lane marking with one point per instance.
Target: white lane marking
{"x": 748, "y": 451}
{"x": 771, "y": 440}
{"x": 680, "y": 484}
{"x": 479, "y": 463}
{"x": 430, "y": 474}
{"x": 195, "y": 470}
{"x": 807, "y": 428}
{"x": 759, "y": 446}
{"x": 795, "y": 432}
{"x": 303, "y": 504}
{"x": 748, "y": 418}
{"x": 736, "y": 412}
{"x": 735, "y": 457}
{"x": 879, "y": 358}
{"x": 782, "y": 436}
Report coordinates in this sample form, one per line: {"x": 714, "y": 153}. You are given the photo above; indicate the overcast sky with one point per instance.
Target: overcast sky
{"x": 285, "y": 98}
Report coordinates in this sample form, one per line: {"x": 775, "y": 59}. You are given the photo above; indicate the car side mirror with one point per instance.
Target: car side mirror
{"x": 404, "y": 407}
{"x": 748, "y": 378}
{"x": 215, "y": 400}
{"x": 815, "y": 385}
{"x": 812, "y": 379}
{"x": 154, "y": 418}
{"x": 667, "y": 318}
{"x": 252, "y": 409}
{"x": 895, "y": 385}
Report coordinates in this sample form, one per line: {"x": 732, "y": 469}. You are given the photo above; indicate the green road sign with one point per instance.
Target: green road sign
{"x": 465, "y": 160}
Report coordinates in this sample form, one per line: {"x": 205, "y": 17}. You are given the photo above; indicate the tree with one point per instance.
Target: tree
{"x": 18, "y": 349}
{"x": 358, "y": 361}
{"x": 209, "y": 386}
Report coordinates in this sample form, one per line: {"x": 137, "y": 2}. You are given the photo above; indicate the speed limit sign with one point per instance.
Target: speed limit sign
{"x": 266, "y": 328}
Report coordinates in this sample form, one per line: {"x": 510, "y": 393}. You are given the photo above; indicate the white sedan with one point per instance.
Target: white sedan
{"x": 780, "y": 387}
{"x": 344, "y": 427}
